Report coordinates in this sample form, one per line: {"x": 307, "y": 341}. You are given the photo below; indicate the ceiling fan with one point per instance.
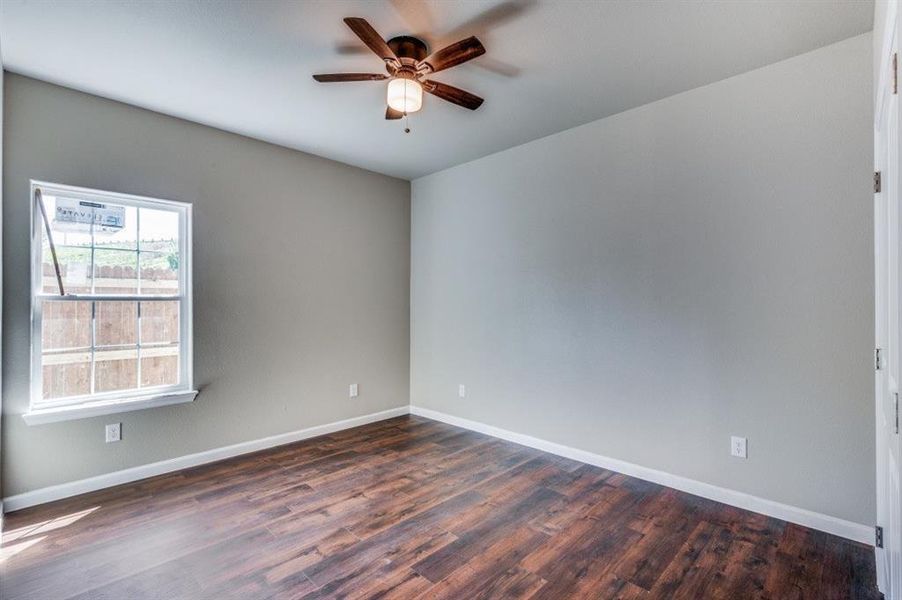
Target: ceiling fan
{"x": 408, "y": 67}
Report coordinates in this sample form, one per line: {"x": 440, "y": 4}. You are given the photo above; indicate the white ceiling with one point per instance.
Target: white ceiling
{"x": 246, "y": 66}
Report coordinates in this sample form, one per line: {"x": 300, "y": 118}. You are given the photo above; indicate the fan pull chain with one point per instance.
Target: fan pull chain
{"x": 406, "y": 124}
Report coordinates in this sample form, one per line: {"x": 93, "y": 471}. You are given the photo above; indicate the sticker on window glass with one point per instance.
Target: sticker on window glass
{"x": 79, "y": 215}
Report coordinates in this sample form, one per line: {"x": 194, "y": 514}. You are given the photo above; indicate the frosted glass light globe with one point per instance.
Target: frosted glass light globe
{"x": 405, "y": 95}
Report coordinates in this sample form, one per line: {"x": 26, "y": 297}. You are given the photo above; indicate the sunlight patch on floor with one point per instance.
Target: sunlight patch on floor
{"x": 44, "y": 526}
{"x": 8, "y": 551}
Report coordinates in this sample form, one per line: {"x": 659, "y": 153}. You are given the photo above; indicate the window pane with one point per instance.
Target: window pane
{"x": 65, "y": 231}
{"x": 65, "y": 325}
{"x": 159, "y": 273}
{"x": 115, "y": 370}
{"x": 116, "y": 323}
{"x": 160, "y": 322}
{"x": 118, "y": 248}
{"x": 115, "y": 271}
{"x": 125, "y": 237}
{"x": 66, "y": 374}
{"x": 159, "y": 230}
{"x": 75, "y": 268}
{"x": 159, "y": 366}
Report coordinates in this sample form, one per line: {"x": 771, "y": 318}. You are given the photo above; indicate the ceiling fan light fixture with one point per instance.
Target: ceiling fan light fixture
{"x": 405, "y": 95}
{"x": 407, "y": 63}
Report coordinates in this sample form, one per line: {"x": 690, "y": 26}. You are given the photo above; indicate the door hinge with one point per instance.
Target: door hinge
{"x": 877, "y": 363}
{"x": 896, "y": 409}
{"x": 878, "y": 536}
{"x": 876, "y": 182}
{"x": 895, "y": 73}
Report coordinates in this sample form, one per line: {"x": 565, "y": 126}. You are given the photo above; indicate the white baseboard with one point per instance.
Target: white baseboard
{"x": 841, "y": 527}
{"x": 847, "y": 529}
{"x": 73, "y": 488}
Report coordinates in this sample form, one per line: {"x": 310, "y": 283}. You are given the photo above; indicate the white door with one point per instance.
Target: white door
{"x": 887, "y": 311}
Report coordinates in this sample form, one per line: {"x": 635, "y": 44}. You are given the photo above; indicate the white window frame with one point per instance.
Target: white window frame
{"x": 75, "y": 407}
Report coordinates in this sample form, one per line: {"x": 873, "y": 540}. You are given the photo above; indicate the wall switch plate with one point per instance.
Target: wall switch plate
{"x": 461, "y": 391}
{"x": 113, "y": 432}
{"x": 352, "y": 391}
{"x": 739, "y": 447}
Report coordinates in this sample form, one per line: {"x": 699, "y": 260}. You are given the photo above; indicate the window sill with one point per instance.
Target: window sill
{"x": 105, "y": 407}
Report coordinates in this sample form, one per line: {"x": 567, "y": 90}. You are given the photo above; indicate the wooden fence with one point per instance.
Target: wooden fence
{"x": 68, "y": 328}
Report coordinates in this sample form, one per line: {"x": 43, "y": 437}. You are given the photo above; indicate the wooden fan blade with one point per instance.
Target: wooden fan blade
{"x": 454, "y": 54}
{"x": 391, "y": 113}
{"x": 337, "y": 77}
{"x": 453, "y": 94}
{"x": 371, "y": 38}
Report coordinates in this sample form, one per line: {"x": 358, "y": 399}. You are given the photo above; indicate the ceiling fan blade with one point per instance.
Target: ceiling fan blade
{"x": 337, "y": 77}
{"x": 452, "y": 55}
{"x": 391, "y": 113}
{"x": 490, "y": 19}
{"x": 453, "y": 94}
{"x": 371, "y": 38}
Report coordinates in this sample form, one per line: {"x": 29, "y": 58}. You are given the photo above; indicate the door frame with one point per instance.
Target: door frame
{"x": 886, "y": 296}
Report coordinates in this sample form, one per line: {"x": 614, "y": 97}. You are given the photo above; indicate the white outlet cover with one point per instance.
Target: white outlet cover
{"x": 739, "y": 447}
{"x": 462, "y": 391}
{"x": 113, "y": 432}
{"x": 352, "y": 391}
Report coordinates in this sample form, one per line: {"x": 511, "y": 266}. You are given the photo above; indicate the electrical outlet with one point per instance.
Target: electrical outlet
{"x": 739, "y": 447}
{"x": 352, "y": 391}
{"x": 461, "y": 391}
{"x": 113, "y": 432}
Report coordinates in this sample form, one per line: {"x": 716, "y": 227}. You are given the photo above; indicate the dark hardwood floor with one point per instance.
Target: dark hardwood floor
{"x": 412, "y": 508}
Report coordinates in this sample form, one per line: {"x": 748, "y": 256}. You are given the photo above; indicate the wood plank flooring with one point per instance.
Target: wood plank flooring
{"x": 412, "y": 508}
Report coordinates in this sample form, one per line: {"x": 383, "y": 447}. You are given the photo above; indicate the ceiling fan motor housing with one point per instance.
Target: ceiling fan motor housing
{"x": 407, "y": 47}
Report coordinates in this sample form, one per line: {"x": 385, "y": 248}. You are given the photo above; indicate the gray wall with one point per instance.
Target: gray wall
{"x": 880, "y": 22}
{"x": 1, "y": 283}
{"x": 301, "y": 281}
{"x": 646, "y": 285}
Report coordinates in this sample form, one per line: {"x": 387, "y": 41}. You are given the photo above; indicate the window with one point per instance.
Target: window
{"x": 111, "y": 302}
